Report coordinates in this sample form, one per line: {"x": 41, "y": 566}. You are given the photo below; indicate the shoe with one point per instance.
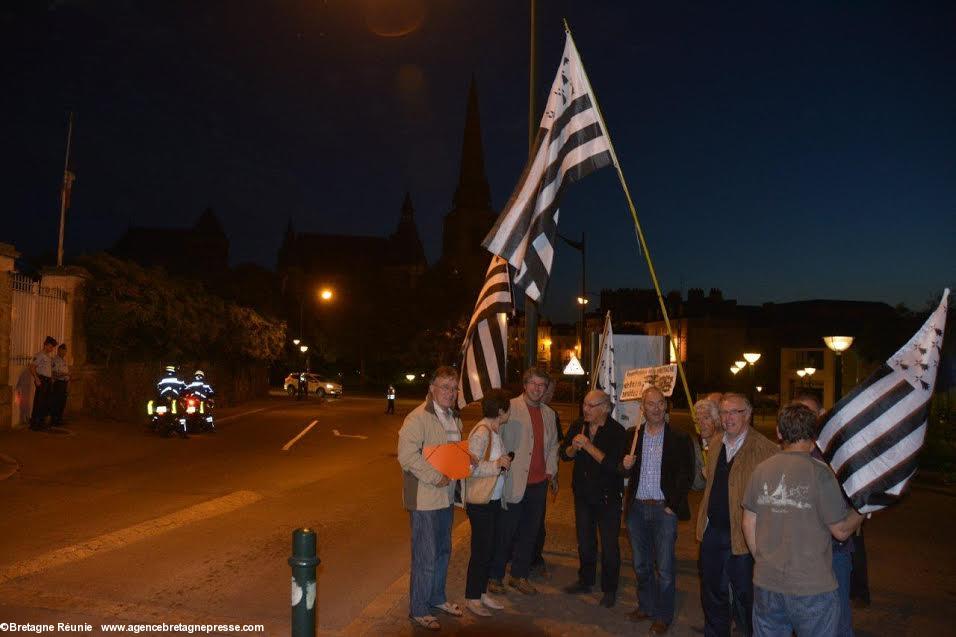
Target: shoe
{"x": 495, "y": 586}
{"x": 491, "y": 602}
{"x": 578, "y": 588}
{"x": 428, "y": 622}
{"x": 637, "y": 615}
{"x": 477, "y": 608}
{"x": 659, "y": 627}
{"x": 608, "y": 599}
{"x": 450, "y": 609}
{"x": 522, "y": 585}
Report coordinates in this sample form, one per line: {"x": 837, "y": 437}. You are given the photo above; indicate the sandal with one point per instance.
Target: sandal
{"x": 428, "y": 622}
{"x": 450, "y": 609}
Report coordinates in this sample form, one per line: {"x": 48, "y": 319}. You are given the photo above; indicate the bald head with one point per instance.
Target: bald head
{"x": 597, "y": 404}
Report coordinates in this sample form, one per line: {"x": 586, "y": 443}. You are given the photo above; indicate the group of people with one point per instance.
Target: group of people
{"x": 51, "y": 376}
{"x": 772, "y": 522}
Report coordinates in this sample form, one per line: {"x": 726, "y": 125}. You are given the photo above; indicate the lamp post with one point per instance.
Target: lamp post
{"x": 752, "y": 358}
{"x": 304, "y": 349}
{"x": 838, "y": 345}
{"x": 583, "y": 302}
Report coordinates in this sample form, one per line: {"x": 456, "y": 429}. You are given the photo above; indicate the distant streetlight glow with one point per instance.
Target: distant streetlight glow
{"x": 303, "y": 348}
{"x": 582, "y": 300}
{"x": 734, "y": 369}
{"x": 326, "y": 294}
{"x": 751, "y": 357}
{"x": 409, "y": 377}
{"x": 801, "y": 373}
{"x": 296, "y": 341}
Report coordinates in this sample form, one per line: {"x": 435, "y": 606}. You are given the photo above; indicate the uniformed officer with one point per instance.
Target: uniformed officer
{"x": 61, "y": 380}
{"x": 390, "y": 400}
{"x": 41, "y": 368}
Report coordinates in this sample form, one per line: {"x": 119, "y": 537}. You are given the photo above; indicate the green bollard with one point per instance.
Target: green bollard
{"x": 303, "y": 563}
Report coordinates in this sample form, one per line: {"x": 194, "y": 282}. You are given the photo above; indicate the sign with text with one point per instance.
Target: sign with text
{"x": 636, "y": 381}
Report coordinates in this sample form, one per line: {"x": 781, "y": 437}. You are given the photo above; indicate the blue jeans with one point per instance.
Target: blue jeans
{"x": 653, "y": 534}
{"x": 431, "y": 549}
{"x": 842, "y": 569}
{"x": 722, "y": 571}
{"x": 780, "y": 615}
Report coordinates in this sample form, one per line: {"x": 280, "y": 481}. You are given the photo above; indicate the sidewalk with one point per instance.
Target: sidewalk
{"x": 551, "y": 611}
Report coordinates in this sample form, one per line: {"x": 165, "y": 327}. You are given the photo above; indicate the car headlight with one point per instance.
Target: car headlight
{"x": 329, "y": 386}
{"x": 160, "y": 410}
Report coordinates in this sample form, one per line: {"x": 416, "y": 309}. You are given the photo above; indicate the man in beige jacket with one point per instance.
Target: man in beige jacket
{"x": 429, "y": 497}
{"x": 724, "y": 557}
{"x": 532, "y": 435}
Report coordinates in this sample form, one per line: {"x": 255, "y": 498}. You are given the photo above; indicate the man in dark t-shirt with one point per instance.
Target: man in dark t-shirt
{"x": 792, "y": 505}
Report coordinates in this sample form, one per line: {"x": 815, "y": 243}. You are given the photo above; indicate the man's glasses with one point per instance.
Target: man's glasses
{"x": 732, "y": 412}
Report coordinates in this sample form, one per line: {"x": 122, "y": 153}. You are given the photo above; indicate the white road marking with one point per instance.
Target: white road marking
{"x": 245, "y": 413}
{"x": 129, "y": 535}
{"x": 336, "y": 432}
{"x": 289, "y": 444}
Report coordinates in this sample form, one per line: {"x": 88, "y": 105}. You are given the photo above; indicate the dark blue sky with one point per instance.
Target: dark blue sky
{"x": 779, "y": 151}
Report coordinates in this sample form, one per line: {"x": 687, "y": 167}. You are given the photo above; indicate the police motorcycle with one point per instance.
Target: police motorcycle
{"x": 199, "y": 402}
{"x": 166, "y": 411}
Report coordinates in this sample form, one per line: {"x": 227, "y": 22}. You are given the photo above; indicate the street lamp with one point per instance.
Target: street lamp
{"x": 752, "y": 358}
{"x": 801, "y": 373}
{"x": 326, "y": 294}
{"x": 304, "y": 349}
{"x": 740, "y": 364}
{"x": 409, "y": 377}
{"x": 296, "y": 341}
{"x": 838, "y": 345}
{"x": 734, "y": 369}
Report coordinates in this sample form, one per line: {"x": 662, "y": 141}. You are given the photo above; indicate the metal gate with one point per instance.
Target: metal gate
{"x": 38, "y": 311}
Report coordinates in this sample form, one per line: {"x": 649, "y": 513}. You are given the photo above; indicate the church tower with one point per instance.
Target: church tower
{"x": 471, "y": 216}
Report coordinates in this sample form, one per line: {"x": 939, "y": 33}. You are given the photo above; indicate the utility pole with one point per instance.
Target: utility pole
{"x": 65, "y": 192}
{"x": 531, "y": 307}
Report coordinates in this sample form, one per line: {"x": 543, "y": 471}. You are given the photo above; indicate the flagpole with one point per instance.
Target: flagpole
{"x": 640, "y": 237}
{"x": 63, "y": 192}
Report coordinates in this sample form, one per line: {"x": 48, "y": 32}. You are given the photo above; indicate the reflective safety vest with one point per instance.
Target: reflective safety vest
{"x": 391, "y": 393}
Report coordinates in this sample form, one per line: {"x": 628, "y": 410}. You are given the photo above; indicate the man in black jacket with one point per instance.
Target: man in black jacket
{"x": 596, "y": 444}
{"x": 660, "y": 472}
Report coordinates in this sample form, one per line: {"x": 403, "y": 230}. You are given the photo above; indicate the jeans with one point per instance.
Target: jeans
{"x": 653, "y": 533}
{"x": 780, "y": 615}
{"x": 592, "y": 519}
{"x": 720, "y": 570}
{"x": 431, "y": 549}
{"x": 520, "y": 522}
{"x": 485, "y": 531}
{"x": 842, "y": 569}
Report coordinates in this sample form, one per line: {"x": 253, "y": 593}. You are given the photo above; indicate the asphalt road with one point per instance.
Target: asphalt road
{"x": 113, "y": 524}
{"x": 107, "y": 523}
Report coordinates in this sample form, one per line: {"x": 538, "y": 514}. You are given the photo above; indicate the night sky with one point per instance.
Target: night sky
{"x": 778, "y": 151}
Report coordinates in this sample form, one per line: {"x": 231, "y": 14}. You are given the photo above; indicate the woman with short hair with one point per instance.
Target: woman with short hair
{"x": 482, "y": 496}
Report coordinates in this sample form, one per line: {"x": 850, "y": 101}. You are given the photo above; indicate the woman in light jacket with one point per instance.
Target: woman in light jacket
{"x": 482, "y": 497}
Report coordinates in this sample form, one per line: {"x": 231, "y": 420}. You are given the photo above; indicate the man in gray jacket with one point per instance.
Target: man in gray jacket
{"x": 532, "y": 436}
{"x": 429, "y": 497}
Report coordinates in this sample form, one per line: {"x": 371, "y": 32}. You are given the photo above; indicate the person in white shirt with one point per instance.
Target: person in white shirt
{"x": 41, "y": 368}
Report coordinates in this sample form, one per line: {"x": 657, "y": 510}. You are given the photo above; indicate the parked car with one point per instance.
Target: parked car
{"x": 317, "y": 385}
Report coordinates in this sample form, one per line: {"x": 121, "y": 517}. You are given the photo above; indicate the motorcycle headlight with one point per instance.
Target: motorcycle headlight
{"x": 160, "y": 410}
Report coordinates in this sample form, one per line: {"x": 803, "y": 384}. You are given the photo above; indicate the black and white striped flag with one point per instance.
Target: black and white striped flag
{"x": 605, "y": 378}
{"x": 572, "y": 142}
{"x": 484, "y": 358}
{"x": 872, "y": 436}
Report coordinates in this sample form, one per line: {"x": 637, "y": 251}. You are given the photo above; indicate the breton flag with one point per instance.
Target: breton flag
{"x": 571, "y": 142}
{"x": 484, "y": 355}
{"x": 872, "y": 436}
{"x": 604, "y": 377}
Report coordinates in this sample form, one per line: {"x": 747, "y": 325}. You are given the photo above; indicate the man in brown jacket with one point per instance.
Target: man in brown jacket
{"x": 724, "y": 557}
